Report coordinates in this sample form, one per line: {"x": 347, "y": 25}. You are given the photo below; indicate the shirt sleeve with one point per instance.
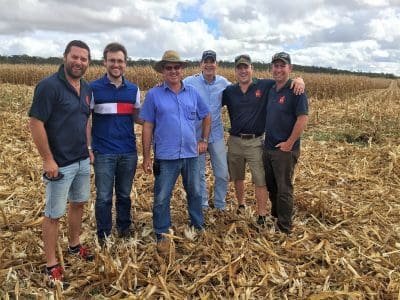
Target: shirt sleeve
{"x": 44, "y": 100}
{"x": 302, "y": 105}
{"x": 202, "y": 108}
{"x": 147, "y": 111}
{"x": 137, "y": 103}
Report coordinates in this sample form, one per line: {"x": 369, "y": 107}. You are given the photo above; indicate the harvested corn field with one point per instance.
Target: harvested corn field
{"x": 345, "y": 243}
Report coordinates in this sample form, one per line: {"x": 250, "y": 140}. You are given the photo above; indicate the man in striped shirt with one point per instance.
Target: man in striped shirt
{"x": 115, "y": 106}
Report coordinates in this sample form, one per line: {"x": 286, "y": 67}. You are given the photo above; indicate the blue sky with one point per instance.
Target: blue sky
{"x": 359, "y": 35}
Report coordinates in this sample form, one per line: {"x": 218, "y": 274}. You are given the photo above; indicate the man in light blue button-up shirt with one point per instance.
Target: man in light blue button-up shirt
{"x": 210, "y": 87}
{"x": 170, "y": 113}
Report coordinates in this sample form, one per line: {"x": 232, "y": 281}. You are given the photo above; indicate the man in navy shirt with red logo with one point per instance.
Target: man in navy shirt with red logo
{"x": 246, "y": 102}
{"x": 59, "y": 126}
{"x": 116, "y": 103}
{"x": 287, "y": 117}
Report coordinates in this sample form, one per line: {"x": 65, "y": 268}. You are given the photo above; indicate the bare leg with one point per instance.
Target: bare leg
{"x": 75, "y": 213}
{"x": 239, "y": 191}
{"x": 261, "y": 198}
{"x": 50, "y": 237}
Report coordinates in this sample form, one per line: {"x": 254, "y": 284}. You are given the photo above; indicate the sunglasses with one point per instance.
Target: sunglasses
{"x": 170, "y": 68}
{"x": 59, "y": 176}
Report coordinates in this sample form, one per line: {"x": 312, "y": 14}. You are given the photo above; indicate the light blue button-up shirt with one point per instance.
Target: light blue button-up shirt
{"x": 175, "y": 117}
{"x": 212, "y": 95}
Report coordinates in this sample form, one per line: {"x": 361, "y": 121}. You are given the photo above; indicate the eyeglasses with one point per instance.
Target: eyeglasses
{"x": 170, "y": 68}
{"x": 244, "y": 56}
{"x": 115, "y": 61}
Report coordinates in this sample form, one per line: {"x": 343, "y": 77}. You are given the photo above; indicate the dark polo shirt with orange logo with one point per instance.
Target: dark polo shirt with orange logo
{"x": 283, "y": 107}
{"x": 65, "y": 116}
{"x": 247, "y": 110}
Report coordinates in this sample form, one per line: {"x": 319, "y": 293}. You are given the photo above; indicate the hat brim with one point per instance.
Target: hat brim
{"x": 160, "y": 65}
{"x": 282, "y": 59}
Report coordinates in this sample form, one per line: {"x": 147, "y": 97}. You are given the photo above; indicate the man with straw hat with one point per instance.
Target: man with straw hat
{"x": 170, "y": 113}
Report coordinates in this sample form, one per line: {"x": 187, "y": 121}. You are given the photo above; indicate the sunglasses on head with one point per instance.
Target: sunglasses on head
{"x": 170, "y": 68}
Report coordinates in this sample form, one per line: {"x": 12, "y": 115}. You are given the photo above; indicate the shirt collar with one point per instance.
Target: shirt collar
{"x": 166, "y": 86}
{"x": 205, "y": 81}
{"x": 108, "y": 81}
{"x": 286, "y": 85}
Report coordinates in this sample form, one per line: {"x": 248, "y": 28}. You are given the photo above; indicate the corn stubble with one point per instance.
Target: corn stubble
{"x": 345, "y": 244}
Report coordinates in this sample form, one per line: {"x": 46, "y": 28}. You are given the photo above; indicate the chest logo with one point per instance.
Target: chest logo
{"x": 258, "y": 93}
{"x": 281, "y": 99}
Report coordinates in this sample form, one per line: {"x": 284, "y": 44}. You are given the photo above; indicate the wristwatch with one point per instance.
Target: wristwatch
{"x": 205, "y": 140}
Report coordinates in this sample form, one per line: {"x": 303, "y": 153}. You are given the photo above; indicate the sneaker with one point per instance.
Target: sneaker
{"x": 240, "y": 209}
{"x": 163, "y": 247}
{"x": 261, "y": 220}
{"x": 56, "y": 274}
{"x": 125, "y": 233}
{"x": 280, "y": 228}
{"x": 81, "y": 252}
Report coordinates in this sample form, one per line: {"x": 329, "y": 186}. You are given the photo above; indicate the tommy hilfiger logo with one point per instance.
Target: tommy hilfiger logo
{"x": 258, "y": 93}
{"x": 281, "y": 100}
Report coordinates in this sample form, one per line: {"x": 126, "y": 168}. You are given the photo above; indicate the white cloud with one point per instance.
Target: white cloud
{"x": 345, "y": 34}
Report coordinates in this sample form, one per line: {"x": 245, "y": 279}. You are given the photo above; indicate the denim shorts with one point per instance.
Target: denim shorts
{"x": 73, "y": 187}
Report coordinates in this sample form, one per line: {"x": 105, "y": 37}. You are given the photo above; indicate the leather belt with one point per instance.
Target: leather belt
{"x": 247, "y": 136}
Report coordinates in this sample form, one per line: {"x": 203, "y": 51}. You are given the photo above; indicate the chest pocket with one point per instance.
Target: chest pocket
{"x": 190, "y": 112}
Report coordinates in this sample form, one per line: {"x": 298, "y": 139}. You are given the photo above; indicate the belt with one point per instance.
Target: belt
{"x": 247, "y": 136}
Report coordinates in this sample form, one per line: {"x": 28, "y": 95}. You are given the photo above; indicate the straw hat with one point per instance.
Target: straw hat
{"x": 170, "y": 56}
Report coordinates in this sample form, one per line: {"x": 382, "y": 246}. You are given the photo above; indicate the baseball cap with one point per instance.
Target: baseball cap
{"x": 283, "y": 56}
{"x": 242, "y": 59}
{"x": 209, "y": 54}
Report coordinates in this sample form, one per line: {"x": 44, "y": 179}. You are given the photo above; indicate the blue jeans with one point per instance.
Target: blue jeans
{"x": 219, "y": 165}
{"x": 113, "y": 170}
{"x": 163, "y": 186}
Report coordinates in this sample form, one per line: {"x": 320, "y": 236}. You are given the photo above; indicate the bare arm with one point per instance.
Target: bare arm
{"x": 89, "y": 139}
{"x": 136, "y": 119}
{"x": 41, "y": 141}
{"x": 205, "y": 132}
{"x": 298, "y": 86}
{"x": 147, "y": 136}
{"x": 298, "y": 129}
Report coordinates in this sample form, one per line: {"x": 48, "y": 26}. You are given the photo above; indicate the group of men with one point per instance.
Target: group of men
{"x": 181, "y": 119}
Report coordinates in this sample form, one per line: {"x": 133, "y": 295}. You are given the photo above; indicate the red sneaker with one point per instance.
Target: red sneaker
{"x": 81, "y": 252}
{"x": 56, "y": 273}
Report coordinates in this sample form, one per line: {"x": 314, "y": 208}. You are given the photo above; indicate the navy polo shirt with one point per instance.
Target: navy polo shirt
{"x": 113, "y": 122}
{"x": 283, "y": 108}
{"x": 65, "y": 115}
{"x": 247, "y": 110}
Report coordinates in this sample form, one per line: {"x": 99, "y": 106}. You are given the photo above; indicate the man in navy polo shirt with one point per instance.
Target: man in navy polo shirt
{"x": 287, "y": 117}
{"x": 116, "y": 103}
{"x": 58, "y": 122}
{"x": 170, "y": 113}
{"x": 246, "y": 102}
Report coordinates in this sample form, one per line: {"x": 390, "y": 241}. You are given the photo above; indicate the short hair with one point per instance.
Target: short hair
{"x": 114, "y": 47}
{"x": 76, "y": 43}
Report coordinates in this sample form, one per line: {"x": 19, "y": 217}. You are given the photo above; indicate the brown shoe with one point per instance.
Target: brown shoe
{"x": 163, "y": 246}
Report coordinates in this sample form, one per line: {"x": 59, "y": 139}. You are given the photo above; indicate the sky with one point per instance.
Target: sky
{"x": 355, "y": 35}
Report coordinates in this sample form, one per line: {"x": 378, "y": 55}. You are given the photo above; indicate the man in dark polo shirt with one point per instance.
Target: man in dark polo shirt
{"x": 287, "y": 116}
{"x": 246, "y": 102}
{"x": 58, "y": 122}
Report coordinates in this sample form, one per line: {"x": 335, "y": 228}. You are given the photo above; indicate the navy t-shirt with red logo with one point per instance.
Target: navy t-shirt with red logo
{"x": 283, "y": 108}
{"x": 65, "y": 115}
{"x": 247, "y": 110}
